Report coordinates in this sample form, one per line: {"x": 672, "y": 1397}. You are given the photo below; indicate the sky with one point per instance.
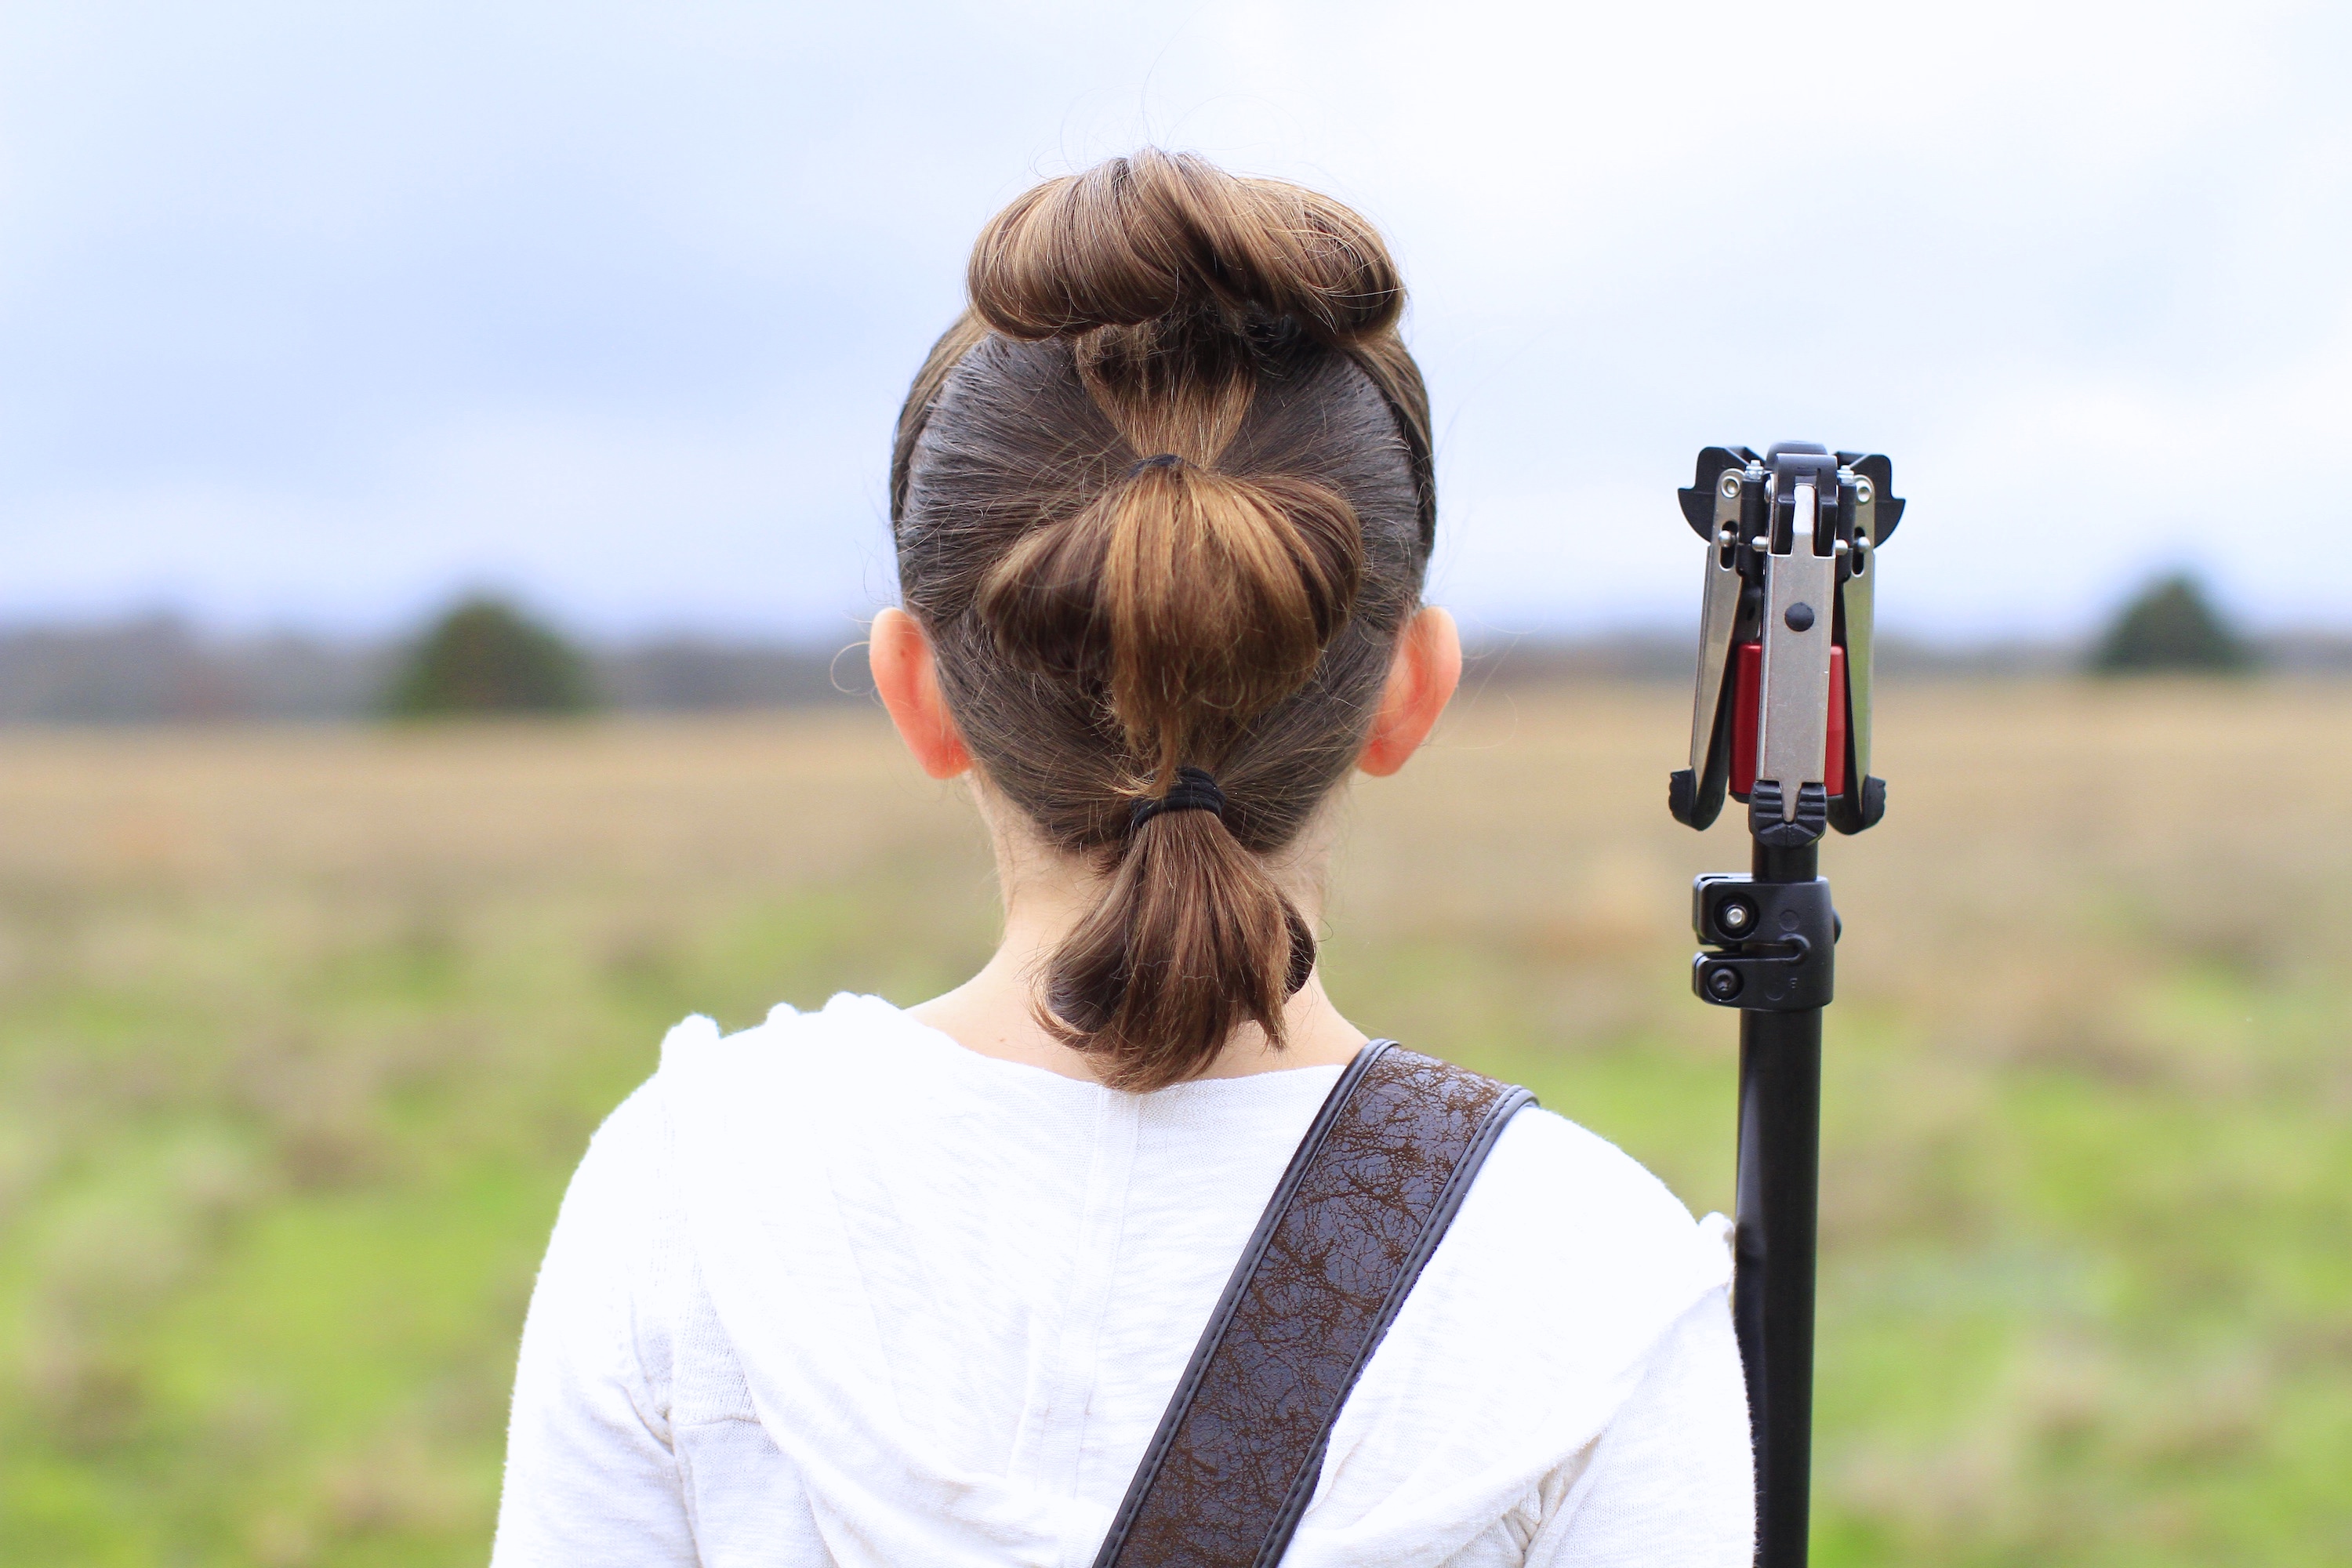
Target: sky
{"x": 311, "y": 316}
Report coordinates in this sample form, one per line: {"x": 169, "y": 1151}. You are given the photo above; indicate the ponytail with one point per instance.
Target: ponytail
{"x": 1205, "y": 600}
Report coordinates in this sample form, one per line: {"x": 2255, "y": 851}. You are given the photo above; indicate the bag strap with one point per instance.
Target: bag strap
{"x": 1365, "y": 1200}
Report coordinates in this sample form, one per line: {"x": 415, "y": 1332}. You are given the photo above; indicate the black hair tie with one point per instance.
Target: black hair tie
{"x": 1161, "y": 461}
{"x": 1194, "y": 790}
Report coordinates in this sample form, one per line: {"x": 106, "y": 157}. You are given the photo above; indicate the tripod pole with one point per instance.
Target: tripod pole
{"x": 1780, "y": 1158}
{"x": 1780, "y": 722}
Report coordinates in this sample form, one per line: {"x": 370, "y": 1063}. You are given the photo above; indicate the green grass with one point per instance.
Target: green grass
{"x": 300, "y": 1039}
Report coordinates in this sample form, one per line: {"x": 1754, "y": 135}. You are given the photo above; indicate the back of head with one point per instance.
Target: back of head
{"x": 1162, "y": 500}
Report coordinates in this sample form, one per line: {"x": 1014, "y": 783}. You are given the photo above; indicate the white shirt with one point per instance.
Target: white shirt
{"x": 837, "y": 1290}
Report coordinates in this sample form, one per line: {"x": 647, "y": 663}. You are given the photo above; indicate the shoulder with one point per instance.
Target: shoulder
{"x": 1587, "y": 1206}
{"x": 622, "y": 1202}
{"x": 1560, "y": 1283}
{"x": 621, "y": 1177}
{"x": 841, "y": 1047}
{"x": 1567, "y": 1254}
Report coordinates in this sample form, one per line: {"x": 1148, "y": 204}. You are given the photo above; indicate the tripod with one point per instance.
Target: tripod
{"x": 1781, "y": 722}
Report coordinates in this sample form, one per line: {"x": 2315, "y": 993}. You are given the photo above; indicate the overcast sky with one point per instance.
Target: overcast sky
{"x": 311, "y": 315}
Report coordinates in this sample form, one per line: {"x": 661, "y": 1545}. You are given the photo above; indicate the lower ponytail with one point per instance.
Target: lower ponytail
{"x": 1193, "y": 938}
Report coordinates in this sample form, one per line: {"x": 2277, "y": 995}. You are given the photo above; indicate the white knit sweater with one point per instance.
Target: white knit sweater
{"x": 835, "y": 1290}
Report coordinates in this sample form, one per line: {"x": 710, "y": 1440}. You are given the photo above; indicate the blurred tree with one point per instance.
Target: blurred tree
{"x": 2172, "y": 624}
{"x": 487, "y": 657}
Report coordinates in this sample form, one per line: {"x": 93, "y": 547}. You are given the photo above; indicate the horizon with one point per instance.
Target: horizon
{"x": 1660, "y": 629}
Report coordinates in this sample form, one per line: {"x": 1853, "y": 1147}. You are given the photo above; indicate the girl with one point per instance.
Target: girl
{"x": 881, "y": 1287}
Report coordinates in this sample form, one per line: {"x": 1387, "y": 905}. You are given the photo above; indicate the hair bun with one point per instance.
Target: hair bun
{"x": 1162, "y": 235}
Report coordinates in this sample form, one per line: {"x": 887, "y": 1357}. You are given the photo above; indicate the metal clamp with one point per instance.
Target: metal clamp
{"x": 1772, "y": 946}
{"x": 1739, "y": 501}
{"x": 1786, "y": 635}
{"x": 1793, "y": 731}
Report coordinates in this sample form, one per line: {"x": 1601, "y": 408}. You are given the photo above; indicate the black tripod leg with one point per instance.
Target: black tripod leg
{"x": 1779, "y": 1161}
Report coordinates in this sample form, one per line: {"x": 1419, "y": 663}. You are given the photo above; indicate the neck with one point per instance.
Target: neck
{"x": 1046, "y": 896}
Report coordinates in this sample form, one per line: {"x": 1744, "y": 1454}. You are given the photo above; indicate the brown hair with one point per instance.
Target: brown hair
{"x": 1162, "y": 499}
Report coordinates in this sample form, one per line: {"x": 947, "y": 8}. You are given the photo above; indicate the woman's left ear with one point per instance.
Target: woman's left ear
{"x": 909, "y": 686}
{"x": 1422, "y": 678}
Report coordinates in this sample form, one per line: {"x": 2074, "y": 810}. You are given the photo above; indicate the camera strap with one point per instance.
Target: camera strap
{"x": 1362, "y": 1207}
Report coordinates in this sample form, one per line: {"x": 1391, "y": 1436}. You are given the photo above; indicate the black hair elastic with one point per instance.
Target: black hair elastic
{"x": 1161, "y": 461}
{"x": 1194, "y": 790}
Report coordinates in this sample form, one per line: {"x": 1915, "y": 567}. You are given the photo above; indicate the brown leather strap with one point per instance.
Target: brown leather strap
{"x": 1363, "y": 1203}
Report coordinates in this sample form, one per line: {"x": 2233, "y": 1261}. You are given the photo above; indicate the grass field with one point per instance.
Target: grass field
{"x": 301, "y": 1033}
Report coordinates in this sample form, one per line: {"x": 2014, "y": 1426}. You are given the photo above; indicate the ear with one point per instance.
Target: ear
{"x": 903, "y": 673}
{"x": 1422, "y": 678}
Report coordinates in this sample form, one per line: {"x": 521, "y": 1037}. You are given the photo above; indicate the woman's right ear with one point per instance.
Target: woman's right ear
{"x": 909, "y": 685}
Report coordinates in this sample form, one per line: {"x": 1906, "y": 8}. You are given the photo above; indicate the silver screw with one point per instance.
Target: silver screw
{"x": 1862, "y": 490}
{"x": 1730, "y": 485}
{"x": 1734, "y": 916}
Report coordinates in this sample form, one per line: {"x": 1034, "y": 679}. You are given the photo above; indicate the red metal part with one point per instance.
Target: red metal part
{"x": 1748, "y": 707}
{"x": 1747, "y": 713}
{"x": 1834, "y": 768}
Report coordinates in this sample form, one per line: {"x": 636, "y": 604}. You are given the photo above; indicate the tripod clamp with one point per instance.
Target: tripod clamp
{"x": 1772, "y": 946}
{"x": 1781, "y": 721}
